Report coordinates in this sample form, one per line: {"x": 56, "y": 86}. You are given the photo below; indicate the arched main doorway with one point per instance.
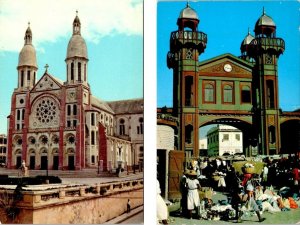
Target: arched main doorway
{"x": 247, "y": 138}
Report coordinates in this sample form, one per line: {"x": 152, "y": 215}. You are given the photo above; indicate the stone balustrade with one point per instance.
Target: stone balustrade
{"x": 45, "y": 203}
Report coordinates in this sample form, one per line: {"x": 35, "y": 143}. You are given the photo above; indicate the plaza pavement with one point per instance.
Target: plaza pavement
{"x": 85, "y": 176}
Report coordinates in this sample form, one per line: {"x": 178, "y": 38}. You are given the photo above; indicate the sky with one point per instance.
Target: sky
{"x": 226, "y": 25}
{"x": 113, "y": 31}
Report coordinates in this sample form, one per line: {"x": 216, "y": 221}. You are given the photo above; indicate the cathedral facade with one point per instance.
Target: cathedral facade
{"x": 58, "y": 125}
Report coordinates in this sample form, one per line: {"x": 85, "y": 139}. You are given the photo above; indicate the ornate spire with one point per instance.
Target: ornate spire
{"x": 28, "y": 35}
{"x": 264, "y": 11}
{"x": 76, "y": 24}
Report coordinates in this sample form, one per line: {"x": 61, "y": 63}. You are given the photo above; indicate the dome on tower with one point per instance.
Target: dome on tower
{"x": 247, "y": 40}
{"x": 264, "y": 24}
{"x": 188, "y": 13}
{"x": 77, "y": 46}
{"x": 27, "y": 56}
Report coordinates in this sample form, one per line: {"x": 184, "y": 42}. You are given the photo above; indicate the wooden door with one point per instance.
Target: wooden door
{"x": 176, "y": 162}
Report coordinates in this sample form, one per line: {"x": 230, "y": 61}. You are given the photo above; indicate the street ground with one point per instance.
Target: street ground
{"x": 287, "y": 217}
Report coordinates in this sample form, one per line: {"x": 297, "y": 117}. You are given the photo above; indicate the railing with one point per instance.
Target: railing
{"x": 185, "y": 36}
{"x": 269, "y": 42}
{"x": 53, "y": 193}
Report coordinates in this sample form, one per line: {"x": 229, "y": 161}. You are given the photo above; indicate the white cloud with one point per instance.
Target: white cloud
{"x": 52, "y": 19}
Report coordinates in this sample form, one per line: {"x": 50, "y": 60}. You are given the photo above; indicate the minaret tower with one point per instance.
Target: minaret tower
{"x": 27, "y": 66}
{"x": 245, "y": 45}
{"x": 77, "y": 57}
{"x": 186, "y": 45}
{"x": 265, "y": 49}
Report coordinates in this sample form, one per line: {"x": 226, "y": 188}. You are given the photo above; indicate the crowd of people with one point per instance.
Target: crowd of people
{"x": 273, "y": 188}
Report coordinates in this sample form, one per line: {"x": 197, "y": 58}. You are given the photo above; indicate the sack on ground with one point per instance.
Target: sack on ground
{"x": 293, "y": 204}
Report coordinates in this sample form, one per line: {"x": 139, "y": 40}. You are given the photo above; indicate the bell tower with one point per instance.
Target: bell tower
{"x": 265, "y": 49}
{"x": 27, "y": 66}
{"x": 186, "y": 45}
{"x": 77, "y": 56}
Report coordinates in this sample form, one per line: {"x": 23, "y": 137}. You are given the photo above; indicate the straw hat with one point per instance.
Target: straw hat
{"x": 191, "y": 173}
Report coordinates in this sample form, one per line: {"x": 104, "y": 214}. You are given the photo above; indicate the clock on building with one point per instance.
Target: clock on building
{"x": 227, "y": 67}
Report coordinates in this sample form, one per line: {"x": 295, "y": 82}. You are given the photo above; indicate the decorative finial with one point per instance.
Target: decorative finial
{"x": 264, "y": 12}
{"x": 188, "y": 4}
{"x": 28, "y": 24}
{"x": 46, "y": 67}
{"x": 248, "y": 30}
{"x": 76, "y": 12}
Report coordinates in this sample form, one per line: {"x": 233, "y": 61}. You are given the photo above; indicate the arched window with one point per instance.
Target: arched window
{"x": 122, "y": 127}
{"x": 188, "y": 134}
{"x": 270, "y": 93}
{"x": 272, "y": 135}
{"x": 209, "y": 95}
{"x": 245, "y": 94}
{"x": 69, "y": 110}
{"x": 18, "y": 114}
{"x": 93, "y": 137}
{"x": 93, "y": 119}
{"x": 72, "y": 71}
{"x": 79, "y": 71}
{"x": 84, "y": 72}
{"x": 188, "y": 91}
{"x": 22, "y": 78}
{"x": 74, "y": 110}
{"x": 227, "y": 94}
{"x": 23, "y": 114}
{"x": 140, "y": 128}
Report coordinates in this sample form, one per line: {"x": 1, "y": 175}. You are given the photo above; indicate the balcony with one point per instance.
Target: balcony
{"x": 265, "y": 43}
{"x": 197, "y": 38}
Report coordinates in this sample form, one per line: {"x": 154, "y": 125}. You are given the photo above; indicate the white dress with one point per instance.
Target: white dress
{"x": 193, "y": 195}
{"x": 161, "y": 207}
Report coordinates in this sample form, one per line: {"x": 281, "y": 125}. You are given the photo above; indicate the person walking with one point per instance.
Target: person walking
{"x": 265, "y": 175}
{"x": 184, "y": 192}
{"x": 161, "y": 207}
{"x": 193, "y": 199}
{"x": 250, "y": 187}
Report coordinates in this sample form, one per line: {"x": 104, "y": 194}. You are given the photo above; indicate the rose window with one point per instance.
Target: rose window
{"x": 55, "y": 140}
{"x": 46, "y": 111}
{"x": 19, "y": 141}
{"x": 44, "y": 140}
{"x": 71, "y": 139}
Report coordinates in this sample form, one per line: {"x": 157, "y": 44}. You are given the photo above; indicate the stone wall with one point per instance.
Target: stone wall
{"x": 74, "y": 204}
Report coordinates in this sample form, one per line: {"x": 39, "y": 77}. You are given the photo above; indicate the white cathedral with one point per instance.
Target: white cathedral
{"x": 60, "y": 125}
